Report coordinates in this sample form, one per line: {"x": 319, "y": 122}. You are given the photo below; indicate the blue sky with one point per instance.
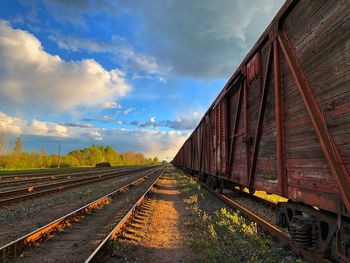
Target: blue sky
{"x": 137, "y": 75}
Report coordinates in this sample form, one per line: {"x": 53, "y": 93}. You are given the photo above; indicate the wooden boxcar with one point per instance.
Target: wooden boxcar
{"x": 282, "y": 123}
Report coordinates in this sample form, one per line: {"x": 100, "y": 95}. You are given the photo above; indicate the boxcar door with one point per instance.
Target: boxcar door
{"x": 221, "y": 137}
{"x": 261, "y": 124}
{"x": 237, "y": 169}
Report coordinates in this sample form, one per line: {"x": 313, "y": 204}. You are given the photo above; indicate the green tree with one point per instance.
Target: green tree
{"x": 43, "y": 160}
{"x": 93, "y": 155}
{"x": 3, "y": 142}
{"x": 18, "y": 146}
{"x": 89, "y": 156}
{"x": 111, "y": 155}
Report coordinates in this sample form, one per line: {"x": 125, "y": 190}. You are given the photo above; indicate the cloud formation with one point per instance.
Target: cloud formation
{"x": 150, "y": 142}
{"x": 18, "y": 126}
{"x": 123, "y": 52}
{"x": 208, "y": 38}
{"x": 31, "y": 76}
{"x": 111, "y": 105}
{"x": 205, "y": 39}
{"x": 78, "y": 124}
{"x": 185, "y": 123}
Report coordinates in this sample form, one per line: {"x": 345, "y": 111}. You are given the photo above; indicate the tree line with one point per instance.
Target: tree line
{"x": 90, "y": 156}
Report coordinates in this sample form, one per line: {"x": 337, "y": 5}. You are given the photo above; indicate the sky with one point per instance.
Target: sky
{"x": 136, "y": 75}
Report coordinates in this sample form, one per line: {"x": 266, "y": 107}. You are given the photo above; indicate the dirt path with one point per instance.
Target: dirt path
{"x": 162, "y": 238}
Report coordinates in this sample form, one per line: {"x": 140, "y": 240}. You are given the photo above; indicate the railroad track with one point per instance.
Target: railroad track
{"x": 25, "y": 193}
{"x": 261, "y": 211}
{"x": 42, "y": 174}
{"x": 8, "y": 184}
{"x": 17, "y": 176}
{"x": 86, "y": 231}
{"x": 34, "y": 177}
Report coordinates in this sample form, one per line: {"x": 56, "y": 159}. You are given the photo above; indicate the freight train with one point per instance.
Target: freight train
{"x": 281, "y": 124}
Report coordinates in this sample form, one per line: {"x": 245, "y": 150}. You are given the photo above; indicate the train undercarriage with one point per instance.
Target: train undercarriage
{"x": 310, "y": 228}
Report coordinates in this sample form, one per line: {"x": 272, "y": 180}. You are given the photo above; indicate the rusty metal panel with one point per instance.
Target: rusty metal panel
{"x": 253, "y": 67}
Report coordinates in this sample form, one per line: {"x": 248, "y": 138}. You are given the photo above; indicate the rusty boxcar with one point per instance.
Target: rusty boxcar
{"x": 282, "y": 124}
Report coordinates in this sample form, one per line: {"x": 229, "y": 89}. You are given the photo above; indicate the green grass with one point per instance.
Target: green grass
{"x": 224, "y": 235}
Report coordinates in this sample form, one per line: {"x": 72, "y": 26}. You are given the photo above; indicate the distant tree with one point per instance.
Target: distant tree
{"x": 3, "y": 142}
{"x": 110, "y": 155}
{"x": 89, "y": 156}
{"x": 43, "y": 160}
{"x": 43, "y": 152}
{"x": 93, "y": 155}
{"x": 18, "y": 146}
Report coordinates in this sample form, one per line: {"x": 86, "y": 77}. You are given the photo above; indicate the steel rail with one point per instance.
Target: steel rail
{"x": 56, "y": 187}
{"x": 45, "y": 186}
{"x": 49, "y": 177}
{"x": 52, "y": 173}
{"x": 99, "y": 251}
{"x": 272, "y": 229}
{"x": 18, "y": 244}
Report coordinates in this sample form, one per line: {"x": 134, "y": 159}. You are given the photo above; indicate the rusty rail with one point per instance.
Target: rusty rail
{"x": 101, "y": 249}
{"x": 18, "y": 244}
{"x": 26, "y": 174}
{"x": 18, "y": 180}
{"x": 36, "y": 191}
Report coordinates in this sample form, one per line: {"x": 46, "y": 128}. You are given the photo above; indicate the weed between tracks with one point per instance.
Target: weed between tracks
{"x": 220, "y": 235}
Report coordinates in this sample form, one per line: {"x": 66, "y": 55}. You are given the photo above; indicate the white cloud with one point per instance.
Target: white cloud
{"x": 184, "y": 123}
{"x": 106, "y": 118}
{"x": 78, "y": 124}
{"x": 208, "y": 39}
{"x": 29, "y": 76}
{"x": 39, "y": 127}
{"x": 111, "y": 105}
{"x": 122, "y": 51}
{"x": 137, "y": 76}
{"x": 12, "y": 124}
{"x": 18, "y": 126}
{"x": 60, "y": 130}
{"x": 202, "y": 39}
{"x": 152, "y": 143}
{"x": 128, "y": 110}
{"x": 96, "y": 135}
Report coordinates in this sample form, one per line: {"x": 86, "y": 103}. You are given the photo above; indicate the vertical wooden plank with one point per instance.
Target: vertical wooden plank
{"x": 280, "y": 134}
{"x": 329, "y": 148}
{"x": 234, "y": 130}
{"x": 260, "y": 118}
{"x": 246, "y": 125}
